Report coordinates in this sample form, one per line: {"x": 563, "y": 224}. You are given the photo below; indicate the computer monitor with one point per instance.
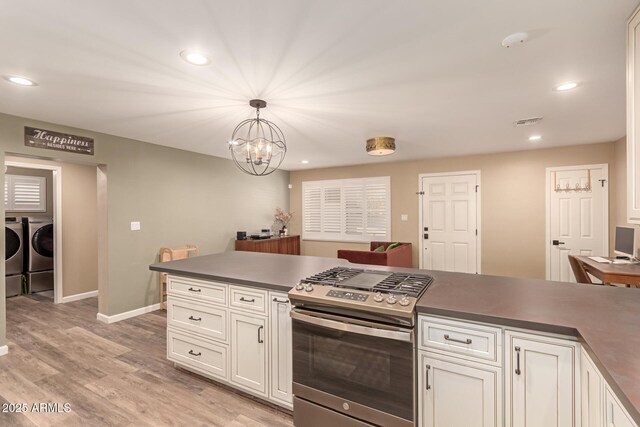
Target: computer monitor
{"x": 625, "y": 242}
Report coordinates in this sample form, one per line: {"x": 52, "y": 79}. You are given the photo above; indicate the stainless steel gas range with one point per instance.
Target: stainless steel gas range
{"x": 354, "y": 348}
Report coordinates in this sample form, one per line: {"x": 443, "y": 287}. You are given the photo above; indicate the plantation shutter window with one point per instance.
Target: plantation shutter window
{"x": 347, "y": 210}
{"x": 25, "y": 193}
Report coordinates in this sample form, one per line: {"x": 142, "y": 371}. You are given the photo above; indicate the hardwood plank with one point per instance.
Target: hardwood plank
{"x": 92, "y": 408}
{"x": 18, "y": 389}
{"x": 111, "y": 374}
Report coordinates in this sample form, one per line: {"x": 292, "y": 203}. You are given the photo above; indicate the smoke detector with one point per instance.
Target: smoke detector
{"x": 515, "y": 39}
{"x": 527, "y": 122}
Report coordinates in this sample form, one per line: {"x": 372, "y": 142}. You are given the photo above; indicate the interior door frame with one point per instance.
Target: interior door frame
{"x": 605, "y": 176}
{"x": 478, "y": 212}
{"x": 57, "y": 222}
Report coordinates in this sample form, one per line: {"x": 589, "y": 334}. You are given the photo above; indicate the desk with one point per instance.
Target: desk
{"x": 627, "y": 274}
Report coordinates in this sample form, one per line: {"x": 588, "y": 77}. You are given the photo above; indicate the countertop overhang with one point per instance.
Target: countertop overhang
{"x": 606, "y": 320}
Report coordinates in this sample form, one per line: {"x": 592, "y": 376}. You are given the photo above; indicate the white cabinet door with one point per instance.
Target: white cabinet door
{"x": 248, "y": 355}
{"x": 540, "y": 381}
{"x": 591, "y": 393}
{"x": 633, "y": 119}
{"x": 280, "y": 344}
{"x": 615, "y": 414}
{"x": 458, "y": 394}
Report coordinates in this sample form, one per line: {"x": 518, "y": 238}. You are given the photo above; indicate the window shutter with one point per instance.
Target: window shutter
{"x": 331, "y": 207}
{"x": 377, "y": 216}
{"x": 26, "y": 193}
{"x": 6, "y": 193}
{"x": 352, "y": 210}
{"x": 311, "y": 206}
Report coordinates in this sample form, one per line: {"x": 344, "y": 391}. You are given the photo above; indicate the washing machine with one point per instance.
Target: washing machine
{"x": 38, "y": 265}
{"x": 14, "y": 248}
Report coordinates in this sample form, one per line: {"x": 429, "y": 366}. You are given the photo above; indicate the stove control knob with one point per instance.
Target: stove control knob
{"x": 299, "y": 287}
{"x": 308, "y": 287}
{"x": 391, "y": 299}
{"x": 378, "y": 297}
{"x": 404, "y": 301}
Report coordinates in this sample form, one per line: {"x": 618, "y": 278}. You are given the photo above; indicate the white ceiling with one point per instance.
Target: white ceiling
{"x": 430, "y": 73}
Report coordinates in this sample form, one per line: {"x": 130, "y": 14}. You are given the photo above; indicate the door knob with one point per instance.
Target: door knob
{"x": 557, "y": 242}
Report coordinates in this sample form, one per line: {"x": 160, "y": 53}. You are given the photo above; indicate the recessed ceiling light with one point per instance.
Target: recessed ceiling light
{"x": 22, "y": 81}
{"x": 195, "y": 58}
{"x": 535, "y": 138}
{"x": 566, "y": 86}
{"x": 305, "y": 162}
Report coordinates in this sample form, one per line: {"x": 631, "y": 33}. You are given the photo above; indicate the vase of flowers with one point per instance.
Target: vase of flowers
{"x": 283, "y": 218}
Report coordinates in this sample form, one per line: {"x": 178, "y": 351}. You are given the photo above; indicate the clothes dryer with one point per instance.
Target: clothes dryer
{"x": 14, "y": 246}
{"x": 39, "y": 237}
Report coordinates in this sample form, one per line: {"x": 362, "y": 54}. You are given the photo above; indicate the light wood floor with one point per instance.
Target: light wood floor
{"x": 111, "y": 375}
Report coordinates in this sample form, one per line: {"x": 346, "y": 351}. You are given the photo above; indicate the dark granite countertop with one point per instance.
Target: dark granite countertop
{"x": 605, "y": 319}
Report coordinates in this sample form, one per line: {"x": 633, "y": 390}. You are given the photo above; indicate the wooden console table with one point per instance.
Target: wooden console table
{"x": 289, "y": 245}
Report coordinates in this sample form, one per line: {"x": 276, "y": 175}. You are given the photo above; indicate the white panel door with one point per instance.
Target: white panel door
{"x": 577, "y": 219}
{"x": 449, "y": 218}
{"x": 540, "y": 384}
{"x": 458, "y": 394}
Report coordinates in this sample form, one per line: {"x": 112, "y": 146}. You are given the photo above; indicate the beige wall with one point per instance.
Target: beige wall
{"x": 79, "y": 223}
{"x": 178, "y": 196}
{"x": 13, "y": 170}
{"x": 513, "y": 201}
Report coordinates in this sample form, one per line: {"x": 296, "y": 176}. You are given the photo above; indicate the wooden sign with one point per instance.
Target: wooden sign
{"x": 50, "y": 140}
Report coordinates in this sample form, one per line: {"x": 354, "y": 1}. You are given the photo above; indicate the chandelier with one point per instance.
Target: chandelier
{"x": 257, "y": 145}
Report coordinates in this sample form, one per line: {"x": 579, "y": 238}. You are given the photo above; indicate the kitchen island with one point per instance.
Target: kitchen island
{"x": 606, "y": 321}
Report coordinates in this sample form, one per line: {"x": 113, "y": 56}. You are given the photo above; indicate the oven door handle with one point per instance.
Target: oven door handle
{"x": 396, "y": 335}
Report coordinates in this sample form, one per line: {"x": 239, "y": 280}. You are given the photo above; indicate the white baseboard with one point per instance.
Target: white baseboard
{"x": 4, "y": 350}
{"x": 78, "y": 297}
{"x": 127, "y": 314}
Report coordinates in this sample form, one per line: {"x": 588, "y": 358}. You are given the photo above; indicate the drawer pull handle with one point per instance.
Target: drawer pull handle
{"x": 193, "y": 318}
{"x": 281, "y": 302}
{"x": 260, "y": 340}
{"x": 427, "y": 376}
{"x": 243, "y": 299}
{"x": 195, "y": 290}
{"x": 448, "y": 338}
{"x": 195, "y": 354}
{"x": 518, "y": 371}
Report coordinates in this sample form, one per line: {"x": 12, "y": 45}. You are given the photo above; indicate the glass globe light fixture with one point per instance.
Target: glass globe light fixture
{"x": 257, "y": 145}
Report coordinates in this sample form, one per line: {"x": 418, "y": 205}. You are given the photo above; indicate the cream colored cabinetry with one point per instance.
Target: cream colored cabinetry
{"x": 600, "y": 406}
{"x": 458, "y": 393}
{"x": 633, "y": 119}
{"x": 223, "y": 332}
{"x": 248, "y": 354}
{"x": 460, "y": 374}
{"x": 280, "y": 352}
{"x": 591, "y": 393}
{"x": 615, "y": 414}
{"x": 540, "y": 381}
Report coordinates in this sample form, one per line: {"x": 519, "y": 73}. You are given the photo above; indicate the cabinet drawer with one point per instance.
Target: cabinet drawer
{"x": 201, "y": 354}
{"x": 207, "y": 291}
{"x": 199, "y": 318}
{"x": 249, "y": 299}
{"x": 467, "y": 340}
